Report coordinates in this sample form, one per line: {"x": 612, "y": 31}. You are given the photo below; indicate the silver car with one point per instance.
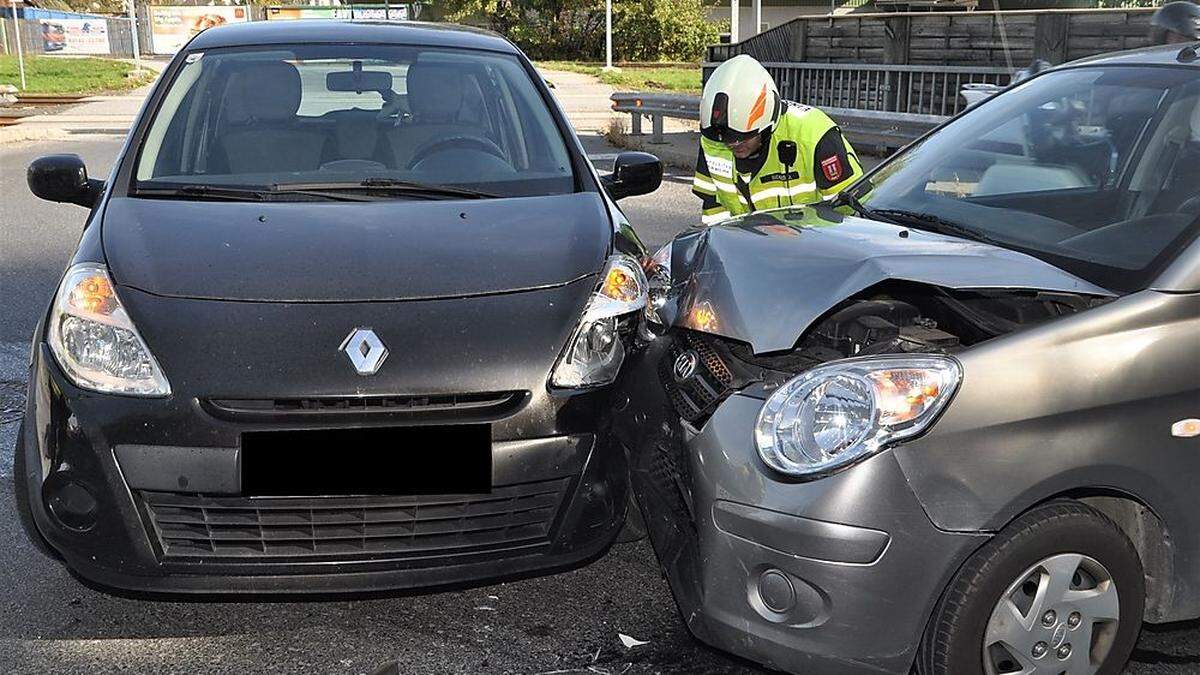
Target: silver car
{"x": 949, "y": 421}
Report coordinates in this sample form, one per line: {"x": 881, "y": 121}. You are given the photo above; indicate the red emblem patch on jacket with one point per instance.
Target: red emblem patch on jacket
{"x": 832, "y": 168}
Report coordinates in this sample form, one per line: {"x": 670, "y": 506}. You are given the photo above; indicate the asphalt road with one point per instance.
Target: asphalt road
{"x": 566, "y": 623}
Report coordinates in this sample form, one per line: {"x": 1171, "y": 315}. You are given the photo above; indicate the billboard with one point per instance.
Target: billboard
{"x": 75, "y": 36}
{"x": 379, "y": 12}
{"x": 309, "y": 13}
{"x": 399, "y": 13}
{"x": 172, "y": 27}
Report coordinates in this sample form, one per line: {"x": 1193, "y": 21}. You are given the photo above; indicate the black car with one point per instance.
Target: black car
{"x": 342, "y": 318}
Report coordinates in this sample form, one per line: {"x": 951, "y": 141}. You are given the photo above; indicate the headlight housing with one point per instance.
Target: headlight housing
{"x": 838, "y": 413}
{"x": 94, "y": 340}
{"x": 659, "y": 280}
{"x": 595, "y": 351}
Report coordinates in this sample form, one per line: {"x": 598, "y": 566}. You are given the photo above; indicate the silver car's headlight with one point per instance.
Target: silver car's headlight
{"x": 94, "y": 340}
{"x": 838, "y": 413}
{"x": 595, "y": 352}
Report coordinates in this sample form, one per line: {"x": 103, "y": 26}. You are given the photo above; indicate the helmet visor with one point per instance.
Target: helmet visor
{"x": 723, "y": 134}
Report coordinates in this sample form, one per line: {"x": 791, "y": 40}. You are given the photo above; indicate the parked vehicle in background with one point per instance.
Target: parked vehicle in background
{"x": 344, "y": 318}
{"x": 951, "y": 420}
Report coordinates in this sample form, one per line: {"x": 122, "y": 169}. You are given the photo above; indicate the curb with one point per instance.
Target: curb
{"x": 19, "y": 133}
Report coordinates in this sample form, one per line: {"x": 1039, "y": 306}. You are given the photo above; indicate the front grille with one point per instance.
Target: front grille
{"x": 434, "y": 407}
{"x": 195, "y": 528}
{"x": 697, "y": 396}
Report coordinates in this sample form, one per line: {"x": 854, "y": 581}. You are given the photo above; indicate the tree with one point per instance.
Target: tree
{"x": 643, "y": 30}
{"x": 86, "y": 6}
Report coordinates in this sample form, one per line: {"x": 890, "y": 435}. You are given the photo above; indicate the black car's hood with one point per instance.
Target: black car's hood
{"x": 352, "y": 251}
{"x": 764, "y": 278}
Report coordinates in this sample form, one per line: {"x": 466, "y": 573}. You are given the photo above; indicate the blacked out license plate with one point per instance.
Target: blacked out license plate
{"x": 417, "y": 460}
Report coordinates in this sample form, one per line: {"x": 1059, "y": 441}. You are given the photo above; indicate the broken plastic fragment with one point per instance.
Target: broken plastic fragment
{"x": 631, "y": 642}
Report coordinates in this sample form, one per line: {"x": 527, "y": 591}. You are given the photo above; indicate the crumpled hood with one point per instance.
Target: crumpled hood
{"x": 766, "y": 277}
{"x": 352, "y": 251}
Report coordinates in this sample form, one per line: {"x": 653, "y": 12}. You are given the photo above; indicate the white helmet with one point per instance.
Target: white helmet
{"x": 739, "y": 101}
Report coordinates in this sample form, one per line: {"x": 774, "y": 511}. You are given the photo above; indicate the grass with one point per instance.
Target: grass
{"x": 637, "y": 76}
{"x": 68, "y": 75}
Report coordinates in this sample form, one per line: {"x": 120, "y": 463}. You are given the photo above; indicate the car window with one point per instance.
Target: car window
{"x": 320, "y": 113}
{"x": 1095, "y": 169}
{"x": 1077, "y": 139}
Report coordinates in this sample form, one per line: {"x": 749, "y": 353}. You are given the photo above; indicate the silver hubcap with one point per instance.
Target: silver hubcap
{"x": 1060, "y": 616}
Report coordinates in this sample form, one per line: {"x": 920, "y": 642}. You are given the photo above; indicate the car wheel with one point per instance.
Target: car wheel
{"x": 1060, "y": 590}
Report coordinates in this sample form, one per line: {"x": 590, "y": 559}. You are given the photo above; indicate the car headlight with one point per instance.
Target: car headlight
{"x": 658, "y": 272}
{"x": 595, "y": 352}
{"x": 838, "y": 413}
{"x": 94, "y": 340}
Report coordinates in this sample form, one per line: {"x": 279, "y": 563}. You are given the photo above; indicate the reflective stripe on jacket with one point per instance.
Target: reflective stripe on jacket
{"x": 825, "y": 164}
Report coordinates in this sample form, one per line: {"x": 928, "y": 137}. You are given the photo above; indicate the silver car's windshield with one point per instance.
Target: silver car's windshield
{"x": 1095, "y": 169}
{"x": 339, "y": 114}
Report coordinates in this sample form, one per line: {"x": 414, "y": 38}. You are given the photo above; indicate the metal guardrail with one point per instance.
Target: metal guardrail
{"x": 656, "y": 107}
{"x": 880, "y": 131}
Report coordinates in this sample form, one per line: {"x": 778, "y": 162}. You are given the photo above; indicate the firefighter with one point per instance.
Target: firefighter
{"x": 1175, "y": 22}
{"x": 758, "y": 151}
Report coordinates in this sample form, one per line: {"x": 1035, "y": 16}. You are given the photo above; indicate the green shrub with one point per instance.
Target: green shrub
{"x": 662, "y": 30}
{"x": 643, "y": 30}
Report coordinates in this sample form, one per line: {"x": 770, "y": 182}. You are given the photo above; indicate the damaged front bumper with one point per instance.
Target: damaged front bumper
{"x": 833, "y": 575}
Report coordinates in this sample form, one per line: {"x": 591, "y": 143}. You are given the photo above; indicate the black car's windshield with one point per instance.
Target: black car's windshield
{"x": 354, "y": 118}
{"x": 1096, "y": 170}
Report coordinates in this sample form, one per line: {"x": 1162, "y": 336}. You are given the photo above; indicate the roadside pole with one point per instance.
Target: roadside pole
{"x": 608, "y": 35}
{"x": 133, "y": 31}
{"x": 757, "y": 16}
{"x": 20, "y": 52}
{"x": 734, "y": 11}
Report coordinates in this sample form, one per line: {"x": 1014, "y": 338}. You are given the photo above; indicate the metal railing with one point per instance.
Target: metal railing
{"x": 868, "y": 130}
{"x": 879, "y": 106}
{"x": 920, "y": 90}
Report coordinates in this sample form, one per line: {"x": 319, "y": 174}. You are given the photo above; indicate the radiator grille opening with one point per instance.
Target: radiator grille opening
{"x": 434, "y": 407}
{"x": 698, "y": 395}
{"x": 196, "y": 528}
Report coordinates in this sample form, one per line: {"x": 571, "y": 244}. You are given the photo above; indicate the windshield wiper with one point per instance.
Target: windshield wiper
{"x": 236, "y": 194}
{"x": 385, "y": 185}
{"x": 846, "y": 198}
{"x": 202, "y": 191}
{"x": 932, "y": 223}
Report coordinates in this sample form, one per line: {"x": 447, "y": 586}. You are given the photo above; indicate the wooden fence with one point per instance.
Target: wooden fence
{"x": 989, "y": 39}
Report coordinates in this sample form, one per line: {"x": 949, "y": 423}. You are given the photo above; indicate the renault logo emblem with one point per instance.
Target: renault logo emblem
{"x": 685, "y": 365}
{"x": 366, "y": 351}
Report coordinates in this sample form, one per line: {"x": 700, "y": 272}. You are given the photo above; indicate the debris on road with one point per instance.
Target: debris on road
{"x": 631, "y": 642}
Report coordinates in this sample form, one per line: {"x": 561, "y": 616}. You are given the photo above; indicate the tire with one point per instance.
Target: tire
{"x": 1093, "y": 563}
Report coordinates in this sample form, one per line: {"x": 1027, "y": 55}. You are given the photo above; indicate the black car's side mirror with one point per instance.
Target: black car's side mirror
{"x": 63, "y": 178}
{"x": 634, "y": 173}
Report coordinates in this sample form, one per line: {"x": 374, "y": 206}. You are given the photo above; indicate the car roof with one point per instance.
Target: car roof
{"x": 318, "y": 31}
{"x": 1159, "y": 55}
